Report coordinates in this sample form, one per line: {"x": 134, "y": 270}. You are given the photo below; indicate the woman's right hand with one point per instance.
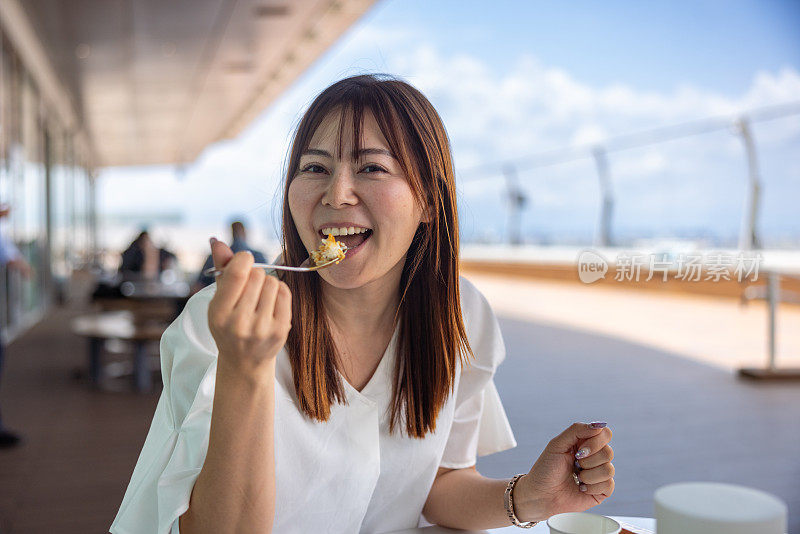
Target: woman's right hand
{"x": 250, "y": 314}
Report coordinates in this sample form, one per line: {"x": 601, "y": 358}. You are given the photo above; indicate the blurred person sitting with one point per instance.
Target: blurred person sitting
{"x": 11, "y": 257}
{"x": 238, "y": 243}
{"x": 143, "y": 260}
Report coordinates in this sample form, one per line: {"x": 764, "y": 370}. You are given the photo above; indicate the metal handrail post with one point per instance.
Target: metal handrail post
{"x": 749, "y": 239}
{"x": 603, "y": 238}
{"x": 773, "y": 297}
{"x": 515, "y": 201}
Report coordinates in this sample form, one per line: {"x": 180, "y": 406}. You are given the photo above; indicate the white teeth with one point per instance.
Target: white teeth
{"x": 344, "y": 231}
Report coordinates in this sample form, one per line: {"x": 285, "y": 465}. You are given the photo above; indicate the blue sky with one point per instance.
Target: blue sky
{"x": 518, "y": 78}
{"x": 717, "y": 45}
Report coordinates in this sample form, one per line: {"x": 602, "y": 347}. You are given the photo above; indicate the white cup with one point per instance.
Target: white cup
{"x": 713, "y": 508}
{"x": 582, "y": 523}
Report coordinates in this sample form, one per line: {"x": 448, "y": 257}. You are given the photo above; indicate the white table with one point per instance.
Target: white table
{"x": 541, "y": 528}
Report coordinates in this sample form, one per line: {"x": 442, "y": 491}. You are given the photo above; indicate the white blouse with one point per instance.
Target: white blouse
{"x": 345, "y": 475}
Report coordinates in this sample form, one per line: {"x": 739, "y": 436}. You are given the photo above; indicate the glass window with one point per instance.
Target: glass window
{"x": 31, "y": 139}
{"x": 61, "y": 204}
{"x": 30, "y": 234}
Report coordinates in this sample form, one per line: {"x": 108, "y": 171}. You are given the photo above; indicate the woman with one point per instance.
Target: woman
{"x": 355, "y": 398}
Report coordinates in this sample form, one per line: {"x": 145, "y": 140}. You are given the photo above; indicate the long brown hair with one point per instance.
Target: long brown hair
{"x": 432, "y": 333}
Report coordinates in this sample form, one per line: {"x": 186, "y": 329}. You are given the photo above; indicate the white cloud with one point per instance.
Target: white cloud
{"x": 547, "y": 108}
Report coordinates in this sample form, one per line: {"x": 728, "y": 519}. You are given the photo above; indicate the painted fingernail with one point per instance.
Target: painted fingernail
{"x": 212, "y": 240}
{"x": 598, "y": 424}
{"x": 578, "y": 465}
{"x": 583, "y": 453}
{"x": 582, "y": 487}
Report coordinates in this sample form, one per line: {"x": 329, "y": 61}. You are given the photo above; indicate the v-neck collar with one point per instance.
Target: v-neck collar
{"x": 371, "y": 391}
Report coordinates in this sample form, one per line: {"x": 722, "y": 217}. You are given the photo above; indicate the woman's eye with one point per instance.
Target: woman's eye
{"x": 313, "y": 168}
{"x": 373, "y": 168}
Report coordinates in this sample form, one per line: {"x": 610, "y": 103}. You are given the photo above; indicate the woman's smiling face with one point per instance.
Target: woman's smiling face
{"x": 370, "y": 192}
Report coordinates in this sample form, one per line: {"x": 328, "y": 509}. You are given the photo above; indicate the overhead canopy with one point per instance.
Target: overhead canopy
{"x": 156, "y": 81}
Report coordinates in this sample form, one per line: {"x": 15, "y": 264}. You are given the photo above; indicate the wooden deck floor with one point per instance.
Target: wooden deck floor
{"x": 80, "y": 445}
{"x": 674, "y": 420}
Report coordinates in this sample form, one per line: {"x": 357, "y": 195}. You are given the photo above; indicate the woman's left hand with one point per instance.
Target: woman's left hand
{"x": 549, "y": 488}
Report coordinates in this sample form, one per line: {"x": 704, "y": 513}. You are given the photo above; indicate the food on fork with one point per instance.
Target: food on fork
{"x": 329, "y": 250}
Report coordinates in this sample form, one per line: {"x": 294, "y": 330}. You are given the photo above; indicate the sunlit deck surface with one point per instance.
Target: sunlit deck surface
{"x": 675, "y": 417}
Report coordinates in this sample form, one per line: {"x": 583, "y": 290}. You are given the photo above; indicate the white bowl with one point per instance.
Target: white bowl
{"x": 582, "y": 523}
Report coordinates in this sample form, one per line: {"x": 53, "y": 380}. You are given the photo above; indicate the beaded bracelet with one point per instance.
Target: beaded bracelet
{"x": 508, "y": 500}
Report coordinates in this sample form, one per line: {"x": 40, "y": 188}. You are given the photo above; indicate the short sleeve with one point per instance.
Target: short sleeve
{"x": 175, "y": 448}
{"x": 480, "y": 425}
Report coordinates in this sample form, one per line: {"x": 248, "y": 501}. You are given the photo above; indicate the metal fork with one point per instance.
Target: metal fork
{"x": 307, "y": 269}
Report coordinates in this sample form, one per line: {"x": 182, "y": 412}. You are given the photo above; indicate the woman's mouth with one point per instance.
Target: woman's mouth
{"x": 351, "y": 240}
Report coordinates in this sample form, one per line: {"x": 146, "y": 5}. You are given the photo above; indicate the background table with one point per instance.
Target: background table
{"x": 121, "y": 325}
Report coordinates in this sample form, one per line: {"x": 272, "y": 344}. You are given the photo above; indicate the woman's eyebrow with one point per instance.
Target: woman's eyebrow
{"x": 373, "y": 151}
{"x": 356, "y": 155}
{"x": 316, "y": 152}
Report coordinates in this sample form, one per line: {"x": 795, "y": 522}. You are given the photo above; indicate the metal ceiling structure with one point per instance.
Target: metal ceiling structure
{"x": 157, "y": 81}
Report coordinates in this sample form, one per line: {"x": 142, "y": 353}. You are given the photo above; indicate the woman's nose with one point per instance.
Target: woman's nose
{"x": 341, "y": 188}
